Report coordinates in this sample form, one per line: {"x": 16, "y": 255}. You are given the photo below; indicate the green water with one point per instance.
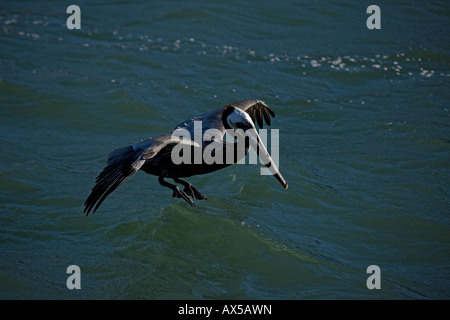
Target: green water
{"x": 364, "y": 144}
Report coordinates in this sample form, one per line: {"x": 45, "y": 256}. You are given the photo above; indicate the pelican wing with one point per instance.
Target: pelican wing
{"x": 123, "y": 163}
{"x": 259, "y": 112}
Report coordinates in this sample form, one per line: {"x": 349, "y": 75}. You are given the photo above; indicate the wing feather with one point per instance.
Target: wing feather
{"x": 258, "y": 111}
{"x": 122, "y": 164}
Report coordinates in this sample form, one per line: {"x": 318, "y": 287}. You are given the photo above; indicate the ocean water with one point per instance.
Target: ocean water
{"x": 364, "y": 137}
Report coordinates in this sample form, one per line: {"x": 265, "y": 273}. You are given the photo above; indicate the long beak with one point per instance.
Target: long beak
{"x": 264, "y": 156}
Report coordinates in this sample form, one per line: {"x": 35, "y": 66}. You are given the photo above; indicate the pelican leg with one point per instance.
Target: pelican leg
{"x": 190, "y": 189}
{"x": 177, "y": 192}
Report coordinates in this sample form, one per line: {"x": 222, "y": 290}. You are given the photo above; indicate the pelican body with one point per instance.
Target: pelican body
{"x": 155, "y": 156}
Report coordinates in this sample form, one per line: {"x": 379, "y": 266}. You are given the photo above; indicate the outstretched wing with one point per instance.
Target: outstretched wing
{"x": 257, "y": 109}
{"x": 259, "y": 113}
{"x": 122, "y": 164}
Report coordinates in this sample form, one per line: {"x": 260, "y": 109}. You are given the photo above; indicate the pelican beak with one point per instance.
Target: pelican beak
{"x": 264, "y": 155}
{"x": 281, "y": 179}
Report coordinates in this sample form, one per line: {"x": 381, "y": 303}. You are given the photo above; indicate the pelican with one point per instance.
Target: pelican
{"x": 155, "y": 156}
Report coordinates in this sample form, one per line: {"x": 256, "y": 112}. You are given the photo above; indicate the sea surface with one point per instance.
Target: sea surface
{"x": 364, "y": 144}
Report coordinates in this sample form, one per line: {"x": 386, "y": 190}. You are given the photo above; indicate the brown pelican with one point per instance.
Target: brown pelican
{"x": 155, "y": 156}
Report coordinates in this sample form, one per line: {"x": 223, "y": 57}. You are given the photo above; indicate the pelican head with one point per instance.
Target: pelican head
{"x": 235, "y": 118}
{"x": 238, "y": 119}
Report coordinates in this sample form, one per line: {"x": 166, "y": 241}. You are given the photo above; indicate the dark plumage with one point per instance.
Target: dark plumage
{"x": 153, "y": 156}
